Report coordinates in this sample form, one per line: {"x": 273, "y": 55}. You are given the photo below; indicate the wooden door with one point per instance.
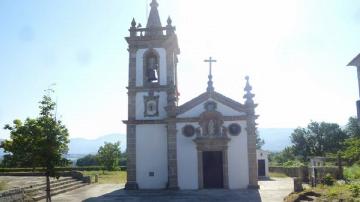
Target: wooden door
{"x": 213, "y": 169}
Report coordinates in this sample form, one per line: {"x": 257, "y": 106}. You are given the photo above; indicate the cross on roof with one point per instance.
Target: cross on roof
{"x": 210, "y": 61}
{"x": 210, "y": 87}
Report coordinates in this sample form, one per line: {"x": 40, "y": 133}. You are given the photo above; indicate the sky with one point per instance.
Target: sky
{"x": 295, "y": 53}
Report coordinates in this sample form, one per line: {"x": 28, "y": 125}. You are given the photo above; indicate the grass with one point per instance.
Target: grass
{"x": 108, "y": 177}
{"x": 3, "y": 185}
{"x": 337, "y": 192}
{"x": 277, "y": 175}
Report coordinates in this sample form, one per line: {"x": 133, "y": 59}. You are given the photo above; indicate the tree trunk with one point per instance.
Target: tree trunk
{"x": 48, "y": 196}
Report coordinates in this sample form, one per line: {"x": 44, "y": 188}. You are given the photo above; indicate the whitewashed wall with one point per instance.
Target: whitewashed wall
{"x": 140, "y": 107}
{"x": 187, "y": 159}
{"x": 197, "y": 110}
{"x": 238, "y": 165}
{"x": 238, "y": 168}
{"x": 140, "y": 66}
{"x": 265, "y": 157}
{"x": 151, "y": 156}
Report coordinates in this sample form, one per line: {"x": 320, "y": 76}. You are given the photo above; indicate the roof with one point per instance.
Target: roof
{"x": 215, "y": 96}
{"x": 355, "y": 62}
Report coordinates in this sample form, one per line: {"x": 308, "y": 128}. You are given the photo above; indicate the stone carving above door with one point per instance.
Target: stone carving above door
{"x": 211, "y": 122}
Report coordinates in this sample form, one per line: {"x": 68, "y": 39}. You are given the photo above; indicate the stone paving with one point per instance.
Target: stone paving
{"x": 270, "y": 191}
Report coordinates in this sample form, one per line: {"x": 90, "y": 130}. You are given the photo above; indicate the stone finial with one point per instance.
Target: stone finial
{"x": 133, "y": 22}
{"x": 154, "y": 19}
{"x": 169, "y": 21}
{"x": 210, "y": 87}
{"x": 154, "y": 4}
{"x": 248, "y": 95}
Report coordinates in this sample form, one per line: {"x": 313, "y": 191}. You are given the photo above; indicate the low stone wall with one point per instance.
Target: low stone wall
{"x": 74, "y": 174}
{"x": 13, "y": 195}
{"x": 305, "y": 172}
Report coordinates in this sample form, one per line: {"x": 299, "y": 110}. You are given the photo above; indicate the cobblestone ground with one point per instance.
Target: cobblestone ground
{"x": 270, "y": 191}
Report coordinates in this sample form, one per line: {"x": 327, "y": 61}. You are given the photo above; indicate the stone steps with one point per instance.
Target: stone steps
{"x": 42, "y": 186}
{"x": 37, "y": 192}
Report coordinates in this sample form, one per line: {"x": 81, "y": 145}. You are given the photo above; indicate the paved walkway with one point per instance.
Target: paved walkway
{"x": 270, "y": 191}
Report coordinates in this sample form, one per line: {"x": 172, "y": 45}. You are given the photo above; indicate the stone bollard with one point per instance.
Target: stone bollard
{"x": 96, "y": 178}
{"x": 297, "y": 184}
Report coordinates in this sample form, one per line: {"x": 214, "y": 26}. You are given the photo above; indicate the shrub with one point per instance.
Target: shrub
{"x": 328, "y": 180}
{"x": 293, "y": 163}
{"x": 352, "y": 173}
{"x": 355, "y": 190}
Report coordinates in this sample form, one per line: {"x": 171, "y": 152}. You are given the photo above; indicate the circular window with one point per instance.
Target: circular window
{"x": 234, "y": 129}
{"x": 188, "y": 130}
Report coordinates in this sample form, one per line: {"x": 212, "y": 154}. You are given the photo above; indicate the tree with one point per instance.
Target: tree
{"x": 279, "y": 158}
{"x": 352, "y": 145}
{"x": 300, "y": 139}
{"x": 318, "y": 139}
{"x": 88, "y": 160}
{"x": 39, "y": 142}
{"x": 352, "y": 128}
{"x": 109, "y": 155}
{"x": 352, "y": 151}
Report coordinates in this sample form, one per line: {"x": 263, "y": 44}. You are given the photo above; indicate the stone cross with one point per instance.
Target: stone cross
{"x": 210, "y": 61}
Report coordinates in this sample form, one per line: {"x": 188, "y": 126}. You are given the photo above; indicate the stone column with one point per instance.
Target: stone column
{"x": 131, "y": 158}
{"x": 171, "y": 139}
{"x": 172, "y": 155}
{"x": 251, "y": 144}
{"x": 251, "y": 135}
{"x": 131, "y": 128}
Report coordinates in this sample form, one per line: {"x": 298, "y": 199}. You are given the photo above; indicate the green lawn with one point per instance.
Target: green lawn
{"x": 278, "y": 175}
{"x": 108, "y": 177}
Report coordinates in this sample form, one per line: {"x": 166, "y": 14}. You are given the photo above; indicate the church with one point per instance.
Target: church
{"x": 207, "y": 142}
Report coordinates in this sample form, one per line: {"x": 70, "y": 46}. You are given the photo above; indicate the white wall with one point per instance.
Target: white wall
{"x": 265, "y": 157}
{"x": 238, "y": 169}
{"x": 151, "y": 156}
{"x": 238, "y": 164}
{"x": 140, "y": 107}
{"x": 197, "y": 110}
{"x": 140, "y": 67}
{"x": 187, "y": 159}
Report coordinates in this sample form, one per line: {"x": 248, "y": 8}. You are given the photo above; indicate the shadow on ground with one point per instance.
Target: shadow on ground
{"x": 209, "y": 195}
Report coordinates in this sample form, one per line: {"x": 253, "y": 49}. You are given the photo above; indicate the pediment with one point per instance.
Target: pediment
{"x": 226, "y": 105}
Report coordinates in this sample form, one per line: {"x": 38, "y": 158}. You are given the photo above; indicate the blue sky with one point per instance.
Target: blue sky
{"x": 295, "y": 53}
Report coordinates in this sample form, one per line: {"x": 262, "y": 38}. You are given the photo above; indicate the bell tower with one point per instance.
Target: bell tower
{"x": 152, "y": 99}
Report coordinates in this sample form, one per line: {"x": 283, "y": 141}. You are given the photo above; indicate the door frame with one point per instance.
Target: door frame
{"x": 213, "y": 144}
{"x": 262, "y": 160}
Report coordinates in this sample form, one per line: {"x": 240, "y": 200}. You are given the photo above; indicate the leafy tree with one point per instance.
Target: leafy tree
{"x": 39, "y": 142}
{"x": 352, "y": 145}
{"x": 88, "y": 160}
{"x": 352, "y": 151}
{"x": 282, "y": 157}
{"x": 300, "y": 139}
{"x": 109, "y": 155}
{"x": 318, "y": 139}
{"x": 352, "y": 128}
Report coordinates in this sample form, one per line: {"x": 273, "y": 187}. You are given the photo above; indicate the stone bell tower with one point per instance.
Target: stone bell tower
{"x": 152, "y": 102}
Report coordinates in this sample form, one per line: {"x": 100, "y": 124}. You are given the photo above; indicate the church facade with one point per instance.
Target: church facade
{"x": 207, "y": 142}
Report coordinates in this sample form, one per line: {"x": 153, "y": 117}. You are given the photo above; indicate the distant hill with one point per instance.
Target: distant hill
{"x": 276, "y": 139}
{"x": 86, "y": 146}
